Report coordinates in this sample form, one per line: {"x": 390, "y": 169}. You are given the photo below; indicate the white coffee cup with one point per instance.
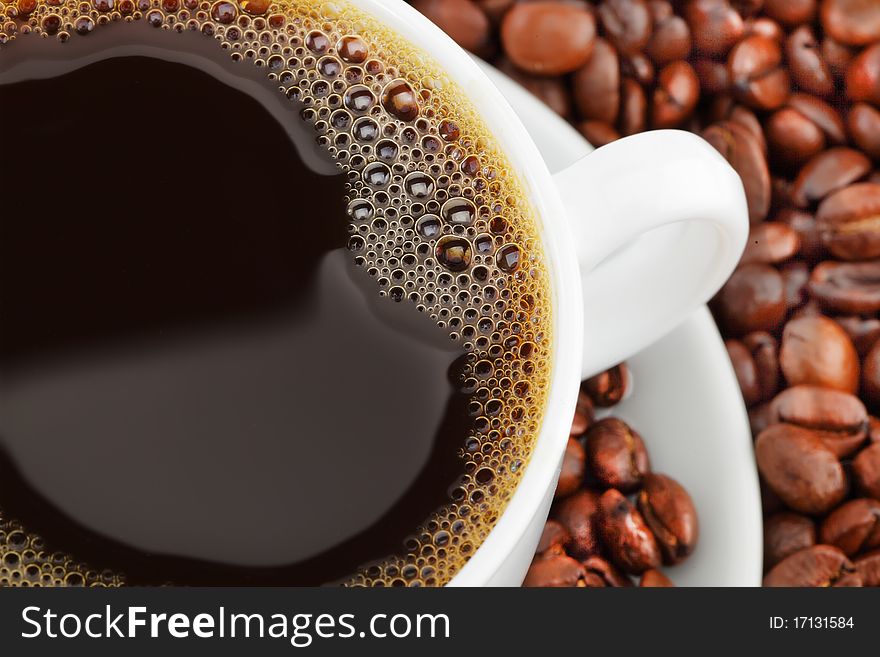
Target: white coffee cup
{"x": 640, "y": 232}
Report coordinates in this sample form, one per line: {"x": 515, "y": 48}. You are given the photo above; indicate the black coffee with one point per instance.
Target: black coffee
{"x": 225, "y": 352}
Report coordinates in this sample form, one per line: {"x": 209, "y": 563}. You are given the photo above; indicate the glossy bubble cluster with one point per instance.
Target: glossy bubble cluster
{"x": 26, "y": 561}
{"x": 437, "y": 218}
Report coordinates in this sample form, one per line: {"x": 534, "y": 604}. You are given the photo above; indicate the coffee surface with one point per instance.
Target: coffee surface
{"x": 201, "y": 353}
{"x": 225, "y": 352}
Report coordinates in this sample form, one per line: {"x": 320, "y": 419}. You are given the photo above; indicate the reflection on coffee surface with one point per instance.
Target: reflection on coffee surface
{"x": 251, "y": 337}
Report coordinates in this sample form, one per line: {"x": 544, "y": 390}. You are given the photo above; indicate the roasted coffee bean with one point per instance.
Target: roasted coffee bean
{"x": 714, "y": 24}
{"x": 770, "y": 242}
{"x": 868, "y": 567}
{"x": 820, "y": 113}
{"x": 770, "y": 502}
{"x": 820, "y": 409}
{"x": 800, "y": 469}
{"x": 572, "y": 474}
{"x": 655, "y": 579}
{"x": 550, "y": 90}
{"x": 598, "y": 133}
{"x": 745, "y": 117}
{"x": 836, "y": 55}
{"x": 765, "y": 354}
{"x": 592, "y": 581}
{"x": 826, "y": 173}
{"x": 548, "y": 38}
{"x": 746, "y": 371}
{"x": 804, "y": 224}
{"x": 854, "y": 22}
{"x": 670, "y": 513}
{"x": 808, "y": 70}
{"x": 616, "y": 454}
{"x": 753, "y": 299}
{"x": 790, "y": 12}
{"x": 863, "y": 122}
{"x": 797, "y": 291}
{"x": 627, "y": 23}
{"x": 792, "y": 138}
{"x": 871, "y": 374}
{"x": 629, "y": 541}
{"x": 820, "y": 565}
{"x": 633, "y": 107}
{"x": 556, "y": 570}
{"x": 724, "y": 108}
{"x": 660, "y": 11}
{"x": 763, "y": 26}
{"x": 847, "y": 287}
{"x": 756, "y": 364}
{"x": 818, "y": 351}
{"x": 596, "y": 85}
{"x": 866, "y": 471}
{"x": 747, "y": 8}
{"x": 638, "y": 67}
{"x": 608, "y": 388}
{"x": 578, "y": 514}
{"x": 756, "y": 73}
{"x": 585, "y": 408}
{"x": 579, "y": 424}
{"x": 853, "y": 527}
{"x": 495, "y": 9}
{"x": 606, "y": 572}
{"x": 795, "y": 276}
{"x": 553, "y": 539}
{"x": 863, "y": 76}
{"x": 784, "y": 534}
{"x": 839, "y": 419}
{"x": 671, "y": 39}
{"x": 463, "y": 20}
{"x": 849, "y": 222}
{"x": 863, "y": 332}
{"x": 675, "y": 96}
{"x": 712, "y": 75}
{"x": 744, "y": 154}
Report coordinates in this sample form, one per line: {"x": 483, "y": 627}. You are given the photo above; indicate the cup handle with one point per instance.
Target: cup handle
{"x": 659, "y": 221}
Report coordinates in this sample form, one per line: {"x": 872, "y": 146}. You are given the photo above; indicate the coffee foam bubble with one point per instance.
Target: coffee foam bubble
{"x": 436, "y": 217}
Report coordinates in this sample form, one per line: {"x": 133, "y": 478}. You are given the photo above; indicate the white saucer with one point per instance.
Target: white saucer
{"x": 686, "y": 404}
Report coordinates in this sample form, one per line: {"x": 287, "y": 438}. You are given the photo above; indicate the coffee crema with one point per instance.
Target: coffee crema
{"x": 436, "y": 221}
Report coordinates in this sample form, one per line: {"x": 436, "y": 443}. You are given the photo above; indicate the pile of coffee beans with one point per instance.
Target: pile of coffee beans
{"x": 788, "y": 91}
{"x": 612, "y": 517}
